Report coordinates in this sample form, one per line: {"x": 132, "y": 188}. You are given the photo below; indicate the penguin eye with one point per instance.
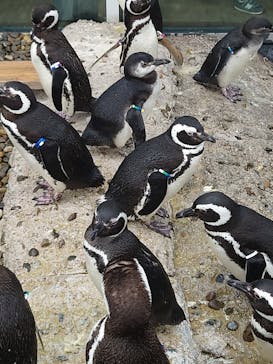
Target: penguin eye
{"x": 255, "y": 295}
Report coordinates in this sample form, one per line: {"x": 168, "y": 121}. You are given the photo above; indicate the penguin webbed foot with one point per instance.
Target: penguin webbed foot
{"x": 49, "y": 195}
{"x": 232, "y": 93}
{"x": 161, "y": 212}
{"x": 64, "y": 115}
{"x": 161, "y": 228}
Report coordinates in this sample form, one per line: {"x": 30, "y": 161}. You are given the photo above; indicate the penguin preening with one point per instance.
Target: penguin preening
{"x": 156, "y": 170}
{"x": 241, "y": 237}
{"x": 103, "y": 245}
{"x": 50, "y": 145}
{"x": 260, "y": 295}
{"x": 126, "y": 334}
{"x": 18, "y": 341}
{"x": 117, "y": 113}
{"x": 143, "y": 22}
{"x": 230, "y": 56}
{"x": 60, "y": 70}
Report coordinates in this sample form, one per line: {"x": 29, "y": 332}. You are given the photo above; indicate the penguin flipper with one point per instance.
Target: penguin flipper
{"x": 158, "y": 188}
{"x": 58, "y": 77}
{"x": 135, "y": 120}
{"x": 255, "y": 267}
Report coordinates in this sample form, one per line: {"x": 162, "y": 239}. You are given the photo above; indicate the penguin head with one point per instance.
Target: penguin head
{"x": 138, "y": 7}
{"x": 257, "y": 26}
{"x": 108, "y": 220}
{"x": 16, "y": 97}
{"x": 45, "y": 17}
{"x": 141, "y": 64}
{"x": 214, "y": 208}
{"x": 259, "y": 293}
{"x": 188, "y": 132}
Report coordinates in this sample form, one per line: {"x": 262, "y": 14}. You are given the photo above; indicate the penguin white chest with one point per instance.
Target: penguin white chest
{"x": 123, "y": 135}
{"x": 151, "y": 101}
{"x": 145, "y": 41}
{"x": 44, "y": 73}
{"x": 236, "y": 64}
{"x": 93, "y": 272}
{"x": 265, "y": 348}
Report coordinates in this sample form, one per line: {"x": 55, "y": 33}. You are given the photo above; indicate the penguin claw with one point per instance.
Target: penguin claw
{"x": 232, "y": 93}
{"x": 161, "y": 228}
{"x": 161, "y": 212}
{"x": 47, "y": 198}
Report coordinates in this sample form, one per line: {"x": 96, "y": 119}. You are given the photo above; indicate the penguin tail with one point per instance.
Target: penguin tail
{"x": 173, "y": 316}
{"x": 90, "y": 178}
{"x": 202, "y": 78}
{"x": 95, "y": 178}
{"x": 175, "y": 52}
{"x": 92, "y": 103}
{"x": 91, "y": 136}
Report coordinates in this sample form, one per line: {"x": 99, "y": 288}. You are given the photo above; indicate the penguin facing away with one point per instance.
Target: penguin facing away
{"x": 60, "y": 70}
{"x": 230, "y": 56}
{"x": 260, "y": 295}
{"x": 50, "y": 145}
{"x": 126, "y": 334}
{"x": 156, "y": 170}
{"x": 241, "y": 237}
{"x": 117, "y": 113}
{"x": 18, "y": 332}
{"x": 102, "y": 246}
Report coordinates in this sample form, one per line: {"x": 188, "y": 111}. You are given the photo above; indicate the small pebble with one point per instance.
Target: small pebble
{"x": 33, "y": 252}
{"x": 61, "y": 317}
{"x": 27, "y": 266}
{"x": 247, "y": 334}
{"x": 21, "y": 178}
{"x": 199, "y": 275}
{"x": 8, "y": 149}
{"x": 72, "y": 216}
{"x": 211, "y": 296}
{"x": 220, "y": 278}
{"x": 215, "y": 304}
{"x": 213, "y": 322}
{"x": 268, "y": 149}
{"x": 62, "y": 358}
{"x": 232, "y": 325}
{"x": 45, "y": 243}
{"x": 71, "y": 257}
{"x": 55, "y": 234}
{"x": 61, "y": 243}
{"x": 229, "y": 310}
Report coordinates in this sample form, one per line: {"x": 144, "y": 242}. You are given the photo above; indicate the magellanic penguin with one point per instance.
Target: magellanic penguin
{"x": 60, "y": 70}
{"x": 103, "y": 245}
{"x": 117, "y": 113}
{"x": 156, "y": 170}
{"x": 260, "y": 295}
{"x": 126, "y": 334}
{"x": 241, "y": 237}
{"x": 50, "y": 145}
{"x": 144, "y": 29}
{"x": 230, "y": 56}
{"x": 18, "y": 332}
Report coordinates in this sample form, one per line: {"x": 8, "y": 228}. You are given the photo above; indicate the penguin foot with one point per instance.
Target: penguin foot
{"x": 63, "y": 115}
{"x": 41, "y": 184}
{"x": 233, "y": 93}
{"x": 48, "y": 197}
{"x": 161, "y": 212}
{"x": 161, "y": 228}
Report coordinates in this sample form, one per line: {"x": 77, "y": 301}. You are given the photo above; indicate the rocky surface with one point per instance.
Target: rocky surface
{"x": 44, "y": 245}
{"x": 14, "y": 46}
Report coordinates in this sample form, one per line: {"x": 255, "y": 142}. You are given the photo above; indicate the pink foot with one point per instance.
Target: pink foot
{"x": 47, "y": 198}
{"x": 233, "y": 93}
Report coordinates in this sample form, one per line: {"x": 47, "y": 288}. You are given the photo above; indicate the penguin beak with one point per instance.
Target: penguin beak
{"x": 159, "y": 61}
{"x": 204, "y": 137}
{"x": 185, "y": 213}
{"x": 241, "y": 286}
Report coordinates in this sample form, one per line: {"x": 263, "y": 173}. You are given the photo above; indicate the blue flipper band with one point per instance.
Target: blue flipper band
{"x": 138, "y": 108}
{"x": 165, "y": 173}
{"x": 55, "y": 66}
{"x": 39, "y": 143}
{"x": 230, "y": 50}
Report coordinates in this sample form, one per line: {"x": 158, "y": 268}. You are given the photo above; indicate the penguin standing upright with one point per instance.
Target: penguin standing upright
{"x": 103, "y": 245}
{"x": 18, "y": 341}
{"x": 50, "y": 145}
{"x": 118, "y": 111}
{"x": 230, "y": 56}
{"x": 126, "y": 334}
{"x": 260, "y": 295}
{"x": 242, "y": 238}
{"x": 156, "y": 170}
{"x": 60, "y": 70}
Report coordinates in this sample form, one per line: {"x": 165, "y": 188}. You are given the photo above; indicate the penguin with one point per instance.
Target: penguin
{"x": 144, "y": 30}
{"x": 60, "y": 70}
{"x": 102, "y": 246}
{"x": 117, "y": 113}
{"x": 260, "y": 295}
{"x": 50, "y": 145}
{"x": 155, "y": 171}
{"x": 241, "y": 237}
{"x": 230, "y": 56}
{"x": 126, "y": 334}
{"x": 18, "y": 331}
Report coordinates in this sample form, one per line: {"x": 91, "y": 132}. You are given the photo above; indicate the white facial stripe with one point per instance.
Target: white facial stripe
{"x": 141, "y": 71}
{"x": 266, "y": 295}
{"x": 128, "y": 6}
{"x": 13, "y": 127}
{"x": 260, "y": 329}
{"x": 223, "y": 212}
{"x": 269, "y": 265}
{"x": 97, "y": 339}
{"x": 124, "y": 216}
{"x": 267, "y": 317}
{"x": 96, "y": 251}
{"x": 144, "y": 279}
{"x": 24, "y": 99}
{"x": 178, "y": 128}
{"x": 55, "y": 15}
{"x": 229, "y": 239}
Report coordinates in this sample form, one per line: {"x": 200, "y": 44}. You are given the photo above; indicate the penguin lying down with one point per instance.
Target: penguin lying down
{"x": 49, "y": 144}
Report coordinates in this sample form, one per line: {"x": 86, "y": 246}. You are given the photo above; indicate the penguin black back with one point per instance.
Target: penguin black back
{"x": 17, "y": 326}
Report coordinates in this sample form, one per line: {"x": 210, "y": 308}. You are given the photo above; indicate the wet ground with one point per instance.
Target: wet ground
{"x": 64, "y": 302}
